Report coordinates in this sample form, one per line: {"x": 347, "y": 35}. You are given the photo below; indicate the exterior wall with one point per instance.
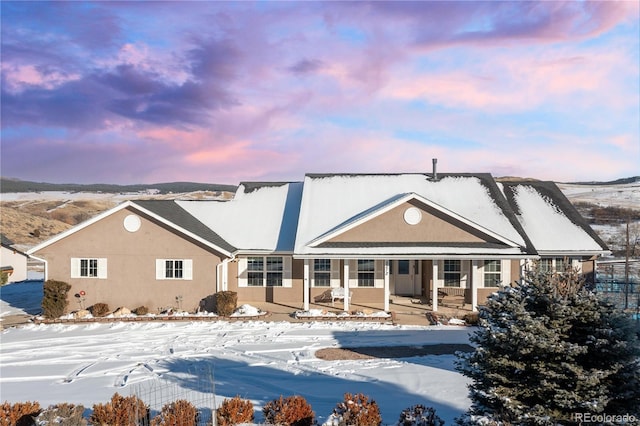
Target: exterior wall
{"x": 391, "y": 227}
{"x": 294, "y": 295}
{"x": 131, "y": 265}
{"x": 285, "y": 295}
{"x": 15, "y": 259}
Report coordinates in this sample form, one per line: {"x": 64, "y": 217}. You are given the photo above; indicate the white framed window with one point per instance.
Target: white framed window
{"x": 264, "y": 271}
{"x": 366, "y": 273}
{"x": 325, "y": 273}
{"x": 492, "y": 273}
{"x": 174, "y": 269}
{"x": 88, "y": 268}
{"x": 322, "y": 272}
{"x": 452, "y": 272}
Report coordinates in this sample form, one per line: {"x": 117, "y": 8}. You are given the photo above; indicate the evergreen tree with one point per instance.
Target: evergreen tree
{"x": 548, "y": 349}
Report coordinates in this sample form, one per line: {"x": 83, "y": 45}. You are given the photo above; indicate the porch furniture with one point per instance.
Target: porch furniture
{"x": 338, "y": 294}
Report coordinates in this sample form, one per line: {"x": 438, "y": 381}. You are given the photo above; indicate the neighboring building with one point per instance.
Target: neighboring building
{"x": 377, "y": 235}
{"x": 12, "y": 261}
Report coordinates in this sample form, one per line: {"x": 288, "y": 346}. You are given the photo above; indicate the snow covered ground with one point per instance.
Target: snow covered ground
{"x": 206, "y": 362}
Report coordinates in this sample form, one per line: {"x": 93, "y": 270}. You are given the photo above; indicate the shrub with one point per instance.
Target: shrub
{"x": 419, "y": 415}
{"x": 99, "y": 309}
{"x": 472, "y": 318}
{"x": 63, "y": 415}
{"x": 178, "y": 413}
{"x": 234, "y": 411}
{"x": 120, "y": 411}
{"x": 357, "y": 410}
{"x": 141, "y": 310}
{"x": 290, "y": 411}
{"x": 19, "y": 414}
{"x": 226, "y": 302}
{"x": 54, "y": 300}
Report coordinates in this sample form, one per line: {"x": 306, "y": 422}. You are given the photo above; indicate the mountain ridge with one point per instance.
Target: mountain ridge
{"x": 12, "y": 185}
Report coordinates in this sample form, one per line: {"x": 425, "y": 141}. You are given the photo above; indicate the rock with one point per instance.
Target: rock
{"x": 83, "y": 313}
{"x": 122, "y": 312}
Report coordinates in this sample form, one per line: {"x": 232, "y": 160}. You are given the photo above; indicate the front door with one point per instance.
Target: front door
{"x": 407, "y": 277}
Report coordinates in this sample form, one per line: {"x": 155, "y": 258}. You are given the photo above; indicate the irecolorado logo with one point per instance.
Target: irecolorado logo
{"x": 604, "y": 418}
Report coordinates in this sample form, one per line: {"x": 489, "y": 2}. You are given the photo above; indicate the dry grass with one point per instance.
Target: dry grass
{"x": 28, "y": 223}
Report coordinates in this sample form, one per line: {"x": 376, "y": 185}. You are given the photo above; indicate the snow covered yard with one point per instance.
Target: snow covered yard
{"x": 257, "y": 360}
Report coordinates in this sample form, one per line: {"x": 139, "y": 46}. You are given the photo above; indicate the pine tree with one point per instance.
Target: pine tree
{"x": 547, "y": 349}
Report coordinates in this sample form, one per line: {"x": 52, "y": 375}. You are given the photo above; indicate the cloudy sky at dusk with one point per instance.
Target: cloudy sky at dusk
{"x": 223, "y": 92}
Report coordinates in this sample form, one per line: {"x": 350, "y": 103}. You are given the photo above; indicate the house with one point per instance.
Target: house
{"x": 13, "y": 262}
{"x": 421, "y": 235}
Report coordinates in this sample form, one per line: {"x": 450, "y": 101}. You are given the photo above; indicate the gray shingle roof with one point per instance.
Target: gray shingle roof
{"x": 172, "y": 212}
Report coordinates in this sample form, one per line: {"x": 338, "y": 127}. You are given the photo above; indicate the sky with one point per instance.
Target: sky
{"x": 225, "y": 92}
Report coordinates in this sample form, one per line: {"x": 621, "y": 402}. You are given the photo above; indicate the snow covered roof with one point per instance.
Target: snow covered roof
{"x": 314, "y": 217}
{"x": 330, "y": 202}
{"x": 550, "y": 220}
{"x": 261, "y": 217}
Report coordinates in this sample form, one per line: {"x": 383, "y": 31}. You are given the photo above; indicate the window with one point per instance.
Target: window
{"x": 322, "y": 272}
{"x": 89, "y": 268}
{"x": 174, "y": 269}
{"x": 366, "y": 273}
{"x": 403, "y": 267}
{"x": 261, "y": 271}
{"x": 546, "y": 265}
{"x": 452, "y": 273}
{"x": 492, "y": 273}
{"x": 255, "y": 268}
{"x": 274, "y": 271}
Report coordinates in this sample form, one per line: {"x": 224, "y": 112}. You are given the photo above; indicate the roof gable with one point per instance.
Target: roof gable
{"x": 165, "y": 212}
{"x": 332, "y": 203}
{"x": 410, "y": 219}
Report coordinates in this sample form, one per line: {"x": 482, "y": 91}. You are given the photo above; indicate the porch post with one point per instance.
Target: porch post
{"x": 387, "y": 294}
{"x": 305, "y": 286}
{"x": 345, "y": 284}
{"x": 475, "y": 279}
{"x": 434, "y": 286}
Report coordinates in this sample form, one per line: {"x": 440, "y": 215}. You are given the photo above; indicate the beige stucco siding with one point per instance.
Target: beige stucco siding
{"x": 131, "y": 265}
{"x": 391, "y": 227}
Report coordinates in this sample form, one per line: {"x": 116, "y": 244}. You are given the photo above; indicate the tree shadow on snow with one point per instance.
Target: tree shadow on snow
{"x": 25, "y": 296}
{"x": 322, "y": 387}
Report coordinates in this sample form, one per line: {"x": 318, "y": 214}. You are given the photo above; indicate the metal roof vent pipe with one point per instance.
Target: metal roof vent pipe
{"x": 435, "y": 169}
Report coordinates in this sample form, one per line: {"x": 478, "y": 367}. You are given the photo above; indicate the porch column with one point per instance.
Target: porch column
{"x": 305, "y": 286}
{"x": 387, "y": 294}
{"x": 475, "y": 279}
{"x": 434, "y": 287}
{"x": 345, "y": 284}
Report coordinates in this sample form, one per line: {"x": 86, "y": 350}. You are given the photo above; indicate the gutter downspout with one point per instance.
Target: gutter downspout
{"x": 222, "y": 274}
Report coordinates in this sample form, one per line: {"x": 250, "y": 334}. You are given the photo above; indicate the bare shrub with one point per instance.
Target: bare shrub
{"x": 226, "y": 302}
{"x": 122, "y": 411}
{"x": 290, "y": 411}
{"x": 235, "y": 411}
{"x": 141, "y": 310}
{"x": 19, "y": 414}
{"x": 178, "y": 413}
{"x": 99, "y": 309}
{"x": 63, "y": 415}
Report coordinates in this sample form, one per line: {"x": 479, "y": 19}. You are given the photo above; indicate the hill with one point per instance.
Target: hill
{"x": 8, "y": 185}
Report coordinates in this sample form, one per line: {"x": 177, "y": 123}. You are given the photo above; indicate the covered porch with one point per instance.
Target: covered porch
{"x": 417, "y": 283}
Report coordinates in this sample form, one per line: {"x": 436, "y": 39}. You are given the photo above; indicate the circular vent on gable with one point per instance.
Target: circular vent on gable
{"x": 412, "y": 216}
{"x": 132, "y": 223}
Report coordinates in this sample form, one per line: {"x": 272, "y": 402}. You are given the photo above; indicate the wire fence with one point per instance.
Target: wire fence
{"x": 159, "y": 392}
